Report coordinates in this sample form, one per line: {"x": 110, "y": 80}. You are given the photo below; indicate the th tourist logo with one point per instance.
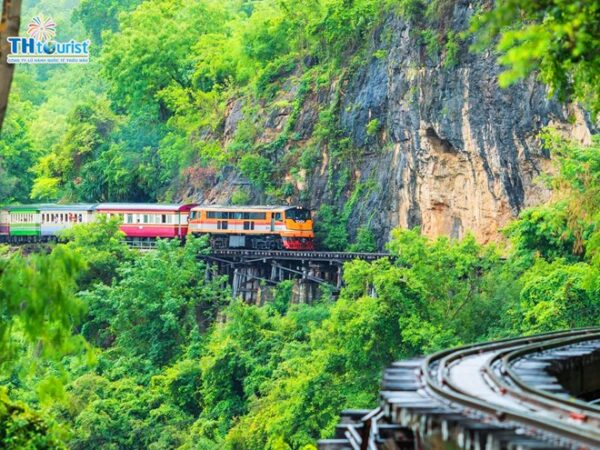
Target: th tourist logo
{"x": 40, "y": 48}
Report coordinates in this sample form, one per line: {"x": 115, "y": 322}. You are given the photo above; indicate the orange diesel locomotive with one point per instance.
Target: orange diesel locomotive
{"x": 255, "y": 227}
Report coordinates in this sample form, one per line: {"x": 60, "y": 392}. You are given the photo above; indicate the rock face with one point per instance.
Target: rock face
{"x": 441, "y": 145}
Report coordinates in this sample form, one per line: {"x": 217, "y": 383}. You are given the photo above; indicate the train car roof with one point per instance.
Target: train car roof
{"x": 49, "y": 207}
{"x": 34, "y": 207}
{"x": 144, "y": 206}
{"x": 76, "y": 207}
{"x": 247, "y": 207}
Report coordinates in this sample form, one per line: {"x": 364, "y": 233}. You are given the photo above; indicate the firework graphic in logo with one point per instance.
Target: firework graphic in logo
{"x": 42, "y": 28}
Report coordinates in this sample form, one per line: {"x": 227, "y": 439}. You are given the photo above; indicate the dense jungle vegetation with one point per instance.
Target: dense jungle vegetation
{"x": 105, "y": 348}
{"x": 102, "y": 347}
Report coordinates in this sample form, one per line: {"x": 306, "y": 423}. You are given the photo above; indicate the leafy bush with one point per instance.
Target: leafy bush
{"x": 258, "y": 169}
{"x": 365, "y": 241}
{"x": 240, "y": 197}
{"x": 373, "y": 127}
{"x": 452, "y": 49}
{"x": 330, "y": 229}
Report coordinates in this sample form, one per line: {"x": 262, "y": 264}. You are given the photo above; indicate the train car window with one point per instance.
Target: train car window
{"x": 222, "y": 225}
{"x": 211, "y": 215}
{"x": 128, "y": 218}
{"x": 163, "y": 218}
{"x": 257, "y": 216}
{"x": 278, "y": 216}
{"x": 145, "y": 220}
{"x": 248, "y": 225}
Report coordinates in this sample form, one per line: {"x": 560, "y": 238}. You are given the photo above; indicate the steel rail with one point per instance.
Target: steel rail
{"x": 445, "y": 389}
{"x": 551, "y": 399}
{"x": 571, "y": 406}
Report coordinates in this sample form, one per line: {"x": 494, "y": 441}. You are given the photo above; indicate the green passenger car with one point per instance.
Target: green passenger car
{"x": 25, "y": 222}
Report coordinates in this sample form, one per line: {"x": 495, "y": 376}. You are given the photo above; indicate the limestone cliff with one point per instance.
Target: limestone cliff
{"x": 428, "y": 141}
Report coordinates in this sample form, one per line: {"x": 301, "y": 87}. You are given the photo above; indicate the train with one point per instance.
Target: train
{"x": 249, "y": 227}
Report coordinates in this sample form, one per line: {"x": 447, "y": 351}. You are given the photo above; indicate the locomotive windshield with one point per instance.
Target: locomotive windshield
{"x": 298, "y": 214}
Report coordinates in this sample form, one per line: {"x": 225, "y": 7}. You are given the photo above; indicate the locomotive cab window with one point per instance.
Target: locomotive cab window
{"x": 297, "y": 214}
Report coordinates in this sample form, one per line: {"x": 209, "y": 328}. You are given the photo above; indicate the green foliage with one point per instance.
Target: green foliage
{"x": 170, "y": 375}
{"x": 411, "y": 10}
{"x": 283, "y": 296}
{"x": 102, "y": 246}
{"x": 331, "y": 229}
{"x": 373, "y": 127}
{"x": 160, "y": 302}
{"x": 568, "y": 227}
{"x": 177, "y": 365}
{"x": 365, "y": 241}
{"x": 431, "y": 39}
{"x": 560, "y": 39}
{"x": 134, "y": 59}
{"x": 37, "y": 303}
{"x": 452, "y": 49}
{"x": 72, "y": 169}
{"x": 240, "y": 197}
{"x": 258, "y": 169}
{"x": 25, "y": 429}
{"x": 558, "y": 296}
{"x": 102, "y": 16}
{"x": 17, "y": 155}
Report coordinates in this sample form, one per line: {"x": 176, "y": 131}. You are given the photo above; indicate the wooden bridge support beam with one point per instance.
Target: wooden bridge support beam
{"x": 253, "y": 273}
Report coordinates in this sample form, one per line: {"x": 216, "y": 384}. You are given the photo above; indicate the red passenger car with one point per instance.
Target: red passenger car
{"x": 145, "y": 221}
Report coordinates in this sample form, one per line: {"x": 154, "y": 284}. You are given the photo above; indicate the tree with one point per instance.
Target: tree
{"x": 159, "y": 305}
{"x": 559, "y": 39}
{"x": 17, "y": 153}
{"x": 66, "y": 172}
{"x": 99, "y": 16}
{"x": 20, "y": 427}
{"x": 102, "y": 246}
{"x": 39, "y": 312}
{"x": 37, "y": 302}
{"x": 9, "y": 26}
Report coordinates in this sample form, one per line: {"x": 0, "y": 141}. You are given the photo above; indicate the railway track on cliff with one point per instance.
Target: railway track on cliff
{"x": 513, "y": 393}
{"x": 298, "y": 254}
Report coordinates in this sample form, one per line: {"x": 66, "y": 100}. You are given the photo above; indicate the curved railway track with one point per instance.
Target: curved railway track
{"x": 492, "y": 396}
